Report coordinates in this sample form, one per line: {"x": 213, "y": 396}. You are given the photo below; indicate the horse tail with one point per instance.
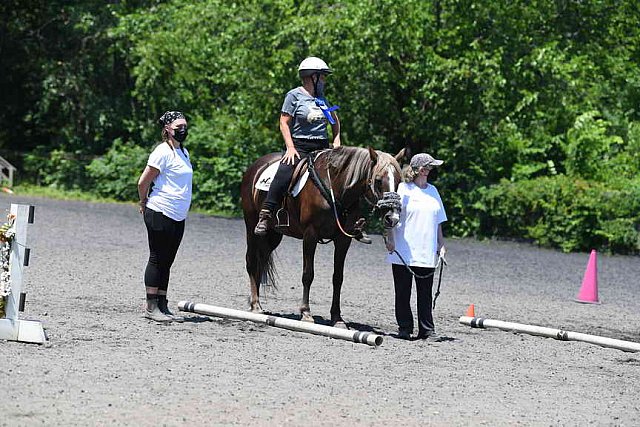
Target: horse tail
{"x": 259, "y": 257}
{"x": 265, "y": 261}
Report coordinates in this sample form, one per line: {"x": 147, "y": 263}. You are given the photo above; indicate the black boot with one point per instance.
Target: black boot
{"x": 264, "y": 220}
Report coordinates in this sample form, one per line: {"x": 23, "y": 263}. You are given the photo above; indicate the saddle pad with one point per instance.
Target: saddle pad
{"x": 264, "y": 181}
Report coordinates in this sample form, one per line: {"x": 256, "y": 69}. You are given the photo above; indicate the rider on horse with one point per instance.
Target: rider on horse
{"x": 303, "y": 124}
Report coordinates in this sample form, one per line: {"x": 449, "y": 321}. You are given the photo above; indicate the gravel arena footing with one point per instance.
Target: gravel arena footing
{"x": 105, "y": 364}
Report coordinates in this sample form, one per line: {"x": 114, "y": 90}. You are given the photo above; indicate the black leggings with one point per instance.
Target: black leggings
{"x": 282, "y": 179}
{"x": 402, "y": 280}
{"x": 165, "y": 235}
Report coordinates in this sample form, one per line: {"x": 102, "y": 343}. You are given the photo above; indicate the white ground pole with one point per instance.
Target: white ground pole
{"x": 280, "y": 322}
{"x": 558, "y": 334}
{"x": 12, "y": 328}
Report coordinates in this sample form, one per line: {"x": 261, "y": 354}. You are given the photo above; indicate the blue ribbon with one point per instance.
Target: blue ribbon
{"x": 326, "y": 110}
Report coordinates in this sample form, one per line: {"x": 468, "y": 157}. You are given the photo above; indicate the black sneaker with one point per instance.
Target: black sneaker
{"x": 423, "y": 335}
{"x": 404, "y": 334}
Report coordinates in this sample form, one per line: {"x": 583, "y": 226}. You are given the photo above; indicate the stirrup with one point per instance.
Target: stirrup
{"x": 282, "y": 218}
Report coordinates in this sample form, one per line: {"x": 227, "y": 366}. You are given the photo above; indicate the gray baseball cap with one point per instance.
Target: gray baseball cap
{"x": 424, "y": 159}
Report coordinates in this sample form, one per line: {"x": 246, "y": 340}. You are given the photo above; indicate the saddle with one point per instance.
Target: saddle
{"x": 298, "y": 180}
{"x": 297, "y": 183}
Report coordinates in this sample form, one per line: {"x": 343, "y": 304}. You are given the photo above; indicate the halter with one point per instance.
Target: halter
{"x": 390, "y": 199}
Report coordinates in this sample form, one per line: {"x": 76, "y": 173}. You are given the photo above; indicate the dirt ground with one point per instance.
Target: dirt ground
{"x": 105, "y": 364}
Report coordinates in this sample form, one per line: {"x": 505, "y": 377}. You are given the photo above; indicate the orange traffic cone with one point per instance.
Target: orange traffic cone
{"x": 471, "y": 311}
{"x": 589, "y": 290}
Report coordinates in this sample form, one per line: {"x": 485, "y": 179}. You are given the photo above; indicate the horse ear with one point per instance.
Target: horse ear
{"x": 400, "y": 156}
{"x": 373, "y": 155}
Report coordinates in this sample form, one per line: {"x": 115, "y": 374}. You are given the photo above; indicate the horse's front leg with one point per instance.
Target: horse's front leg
{"x": 309, "y": 244}
{"x": 341, "y": 246}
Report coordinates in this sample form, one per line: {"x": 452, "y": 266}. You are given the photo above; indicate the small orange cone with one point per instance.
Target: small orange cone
{"x": 471, "y": 311}
{"x": 589, "y": 290}
{"x": 7, "y": 190}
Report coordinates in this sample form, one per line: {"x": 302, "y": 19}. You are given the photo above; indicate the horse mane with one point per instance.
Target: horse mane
{"x": 355, "y": 164}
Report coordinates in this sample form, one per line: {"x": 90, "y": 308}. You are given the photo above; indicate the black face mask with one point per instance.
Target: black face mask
{"x": 318, "y": 86}
{"x": 180, "y": 134}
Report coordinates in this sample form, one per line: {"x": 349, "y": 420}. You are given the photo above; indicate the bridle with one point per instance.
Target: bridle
{"x": 390, "y": 200}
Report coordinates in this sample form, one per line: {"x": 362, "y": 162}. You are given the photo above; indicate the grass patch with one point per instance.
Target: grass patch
{"x": 59, "y": 194}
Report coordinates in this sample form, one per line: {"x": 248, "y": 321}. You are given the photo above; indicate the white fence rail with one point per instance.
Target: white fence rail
{"x": 11, "y": 327}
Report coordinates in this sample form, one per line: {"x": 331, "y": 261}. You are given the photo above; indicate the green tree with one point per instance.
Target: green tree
{"x": 513, "y": 95}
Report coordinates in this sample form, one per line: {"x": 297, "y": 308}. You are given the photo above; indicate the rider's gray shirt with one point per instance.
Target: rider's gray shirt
{"x": 308, "y": 121}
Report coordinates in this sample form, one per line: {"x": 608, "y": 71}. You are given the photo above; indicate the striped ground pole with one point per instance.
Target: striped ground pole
{"x": 558, "y": 334}
{"x": 360, "y": 337}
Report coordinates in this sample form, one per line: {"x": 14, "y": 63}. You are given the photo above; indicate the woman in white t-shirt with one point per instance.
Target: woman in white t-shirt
{"x": 415, "y": 244}
{"x": 165, "y": 210}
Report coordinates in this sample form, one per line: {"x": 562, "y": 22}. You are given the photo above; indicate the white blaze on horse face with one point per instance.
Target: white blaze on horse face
{"x": 391, "y": 219}
{"x": 395, "y": 218}
{"x": 392, "y": 182}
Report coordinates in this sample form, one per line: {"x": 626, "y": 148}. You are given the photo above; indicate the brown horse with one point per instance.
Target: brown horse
{"x": 354, "y": 173}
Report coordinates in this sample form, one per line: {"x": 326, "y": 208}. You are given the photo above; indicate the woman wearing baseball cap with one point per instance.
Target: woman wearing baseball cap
{"x": 416, "y": 244}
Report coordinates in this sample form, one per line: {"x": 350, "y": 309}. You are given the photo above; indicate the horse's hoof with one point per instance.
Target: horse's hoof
{"x": 308, "y": 318}
{"x": 340, "y": 324}
{"x": 256, "y": 309}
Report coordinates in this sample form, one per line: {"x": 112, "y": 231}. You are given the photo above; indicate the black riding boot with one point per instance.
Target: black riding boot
{"x": 264, "y": 222}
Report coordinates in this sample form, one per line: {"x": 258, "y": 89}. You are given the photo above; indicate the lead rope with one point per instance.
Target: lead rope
{"x": 413, "y": 273}
{"x": 441, "y": 263}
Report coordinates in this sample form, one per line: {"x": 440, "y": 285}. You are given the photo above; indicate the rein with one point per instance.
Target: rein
{"x": 313, "y": 174}
{"x": 335, "y": 211}
{"x": 327, "y": 193}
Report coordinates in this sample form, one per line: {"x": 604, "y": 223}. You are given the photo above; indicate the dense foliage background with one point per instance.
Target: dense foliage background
{"x": 532, "y": 104}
